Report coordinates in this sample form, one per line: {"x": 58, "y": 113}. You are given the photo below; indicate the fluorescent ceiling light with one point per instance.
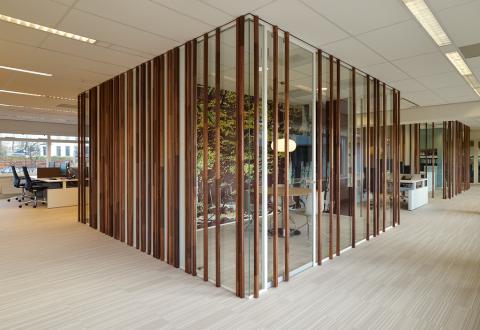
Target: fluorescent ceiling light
{"x": 36, "y": 108}
{"x": 459, "y": 63}
{"x": 464, "y": 70}
{"x": 38, "y": 95}
{"x": 425, "y": 17}
{"x": 46, "y": 29}
{"x": 25, "y": 71}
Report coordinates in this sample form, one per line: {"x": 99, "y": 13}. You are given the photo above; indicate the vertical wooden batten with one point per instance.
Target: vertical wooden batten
{"x": 239, "y": 64}
{"x": 319, "y": 130}
{"x": 217, "y": 158}
{"x": 275, "y": 157}
{"x": 286, "y": 217}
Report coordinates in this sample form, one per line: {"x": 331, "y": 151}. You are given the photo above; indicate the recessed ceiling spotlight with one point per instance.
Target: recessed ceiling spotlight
{"x": 25, "y": 71}
{"x": 425, "y": 17}
{"x": 38, "y": 95}
{"x": 46, "y": 29}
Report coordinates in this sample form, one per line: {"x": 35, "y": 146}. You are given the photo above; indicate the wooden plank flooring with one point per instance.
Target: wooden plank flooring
{"x": 57, "y": 273}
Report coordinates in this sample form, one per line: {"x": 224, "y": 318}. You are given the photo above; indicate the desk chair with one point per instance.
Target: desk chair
{"x": 18, "y": 182}
{"x": 34, "y": 187}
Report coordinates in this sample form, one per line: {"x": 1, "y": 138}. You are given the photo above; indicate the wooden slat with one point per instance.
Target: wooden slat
{"x": 189, "y": 197}
{"x": 217, "y": 158}
{"x": 367, "y": 147}
{"x": 384, "y": 155}
{"x": 205, "y": 179}
{"x": 194, "y": 157}
{"x": 256, "y": 161}
{"x": 93, "y": 157}
{"x": 331, "y": 160}
{"x": 354, "y": 158}
{"x": 275, "y": 158}
{"x": 319, "y": 130}
{"x": 130, "y": 158}
{"x": 286, "y": 217}
{"x": 240, "y": 61}
{"x": 148, "y": 159}
{"x": 121, "y": 155}
{"x": 338, "y": 159}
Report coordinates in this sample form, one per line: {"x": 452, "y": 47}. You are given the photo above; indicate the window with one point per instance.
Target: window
{"x": 75, "y": 151}
{"x": 44, "y": 150}
{"x": 59, "y": 151}
{"x": 67, "y": 151}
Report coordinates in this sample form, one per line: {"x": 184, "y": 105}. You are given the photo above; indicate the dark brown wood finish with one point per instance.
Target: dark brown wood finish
{"x": 319, "y": 130}
{"x": 331, "y": 136}
{"x": 368, "y": 158}
{"x": 240, "y": 184}
{"x": 275, "y": 158}
{"x": 338, "y": 158}
{"x": 205, "y": 179}
{"x": 93, "y": 102}
{"x": 286, "y": 217}
{"x": 384, "y": 156}
{"x": 130, "y": 158}
{"x": 217, "y": 158}
{"x": 353, "y": 195}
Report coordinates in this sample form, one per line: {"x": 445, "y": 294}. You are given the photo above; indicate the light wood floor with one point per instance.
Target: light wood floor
{"x": 56, "y": 273}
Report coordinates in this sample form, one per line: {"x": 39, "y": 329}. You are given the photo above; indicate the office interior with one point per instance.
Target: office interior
{"x": 247, "y": 156}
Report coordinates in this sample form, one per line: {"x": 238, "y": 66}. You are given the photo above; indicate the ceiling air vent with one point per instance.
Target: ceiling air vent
{"x": 471, "y": 51}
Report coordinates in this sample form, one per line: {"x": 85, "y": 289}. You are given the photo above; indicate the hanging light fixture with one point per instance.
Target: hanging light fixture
{"x": 292, "y": 145}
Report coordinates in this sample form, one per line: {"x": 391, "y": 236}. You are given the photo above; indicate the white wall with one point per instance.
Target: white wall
{"x": 467, "y": 113}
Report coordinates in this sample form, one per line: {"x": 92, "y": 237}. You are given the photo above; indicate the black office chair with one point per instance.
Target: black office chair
{"x": 18, "y": 182}
{"x": 34, "y": 187}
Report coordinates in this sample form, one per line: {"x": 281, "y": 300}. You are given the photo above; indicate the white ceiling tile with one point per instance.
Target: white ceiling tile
{"x": 438, "y": 5}
{"x": 425, "y": 65}
{"x": 353, "y": 52}
{"x": 462, "y": 98}
{"x": 446, "y": 79}
{"x": 408, "y": 85}
{"x": 20, "y": 34}
{"x": 148, "y": 16}
{"x": 41, "y": 12}
{"x": 399, "y": 40}
{"x": 424, "y": 98}
{"x": 305, "y": 24}
{"x": 455, "y": 91}
{"x": 357, "y": 16}
{"x": 462, "y": 23}
{"x": 115, "y": 33}
{"x": 205, "y": 13}
{"x": 386, "y": 72}
{"x": 237, "y": 8}
{"x": 100, "y": 54}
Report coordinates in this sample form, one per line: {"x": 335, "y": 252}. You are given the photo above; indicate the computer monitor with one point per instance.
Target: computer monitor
{"x": 64, "y": 168}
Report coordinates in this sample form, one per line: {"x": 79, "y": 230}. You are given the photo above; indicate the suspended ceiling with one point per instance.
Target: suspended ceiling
{"x": 380, "y": 37}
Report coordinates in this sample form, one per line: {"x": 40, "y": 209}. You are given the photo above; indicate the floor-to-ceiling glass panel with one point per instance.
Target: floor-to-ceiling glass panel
{"x": 370, "y": 151}
{"x": 389, "y": 157}
{"x": 300, "y": 154}
{"x": 346, "y": 164}
{"x": 228, "y": 165}
{"x": 326, "y": 157}
{"x": 199, "y": 160}
{"x": 360, "y": 171}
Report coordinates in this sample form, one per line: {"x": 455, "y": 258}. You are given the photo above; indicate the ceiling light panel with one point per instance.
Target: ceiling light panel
{"x": 425, "y": 17}
{"x": 46, "y": 29}
{"x": 458, "y": 62}
{"x": 25, "y": 71}
{"x": 37, "y": 95}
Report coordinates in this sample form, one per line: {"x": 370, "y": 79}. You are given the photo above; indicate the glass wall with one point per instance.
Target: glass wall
{"x": 35, "y": 151}
{"x": 287, "y": 142}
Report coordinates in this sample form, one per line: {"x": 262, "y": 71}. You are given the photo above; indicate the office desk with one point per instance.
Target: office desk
{"x": 417, "y": 192}
{"x": 61, "y": 197}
